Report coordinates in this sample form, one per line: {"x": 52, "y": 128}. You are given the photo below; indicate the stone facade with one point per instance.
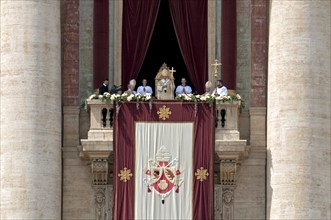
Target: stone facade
{"x": 273, "y": 160}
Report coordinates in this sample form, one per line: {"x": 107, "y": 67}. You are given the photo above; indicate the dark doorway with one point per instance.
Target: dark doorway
{"x": 163, "y": 48}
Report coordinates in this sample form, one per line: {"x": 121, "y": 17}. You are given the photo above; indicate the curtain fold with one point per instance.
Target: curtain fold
{"x": 139, "y": 17}
{"x": 100, "y": 42}
{"x": 229, "y": 43}
{"x": 190, "y": 21}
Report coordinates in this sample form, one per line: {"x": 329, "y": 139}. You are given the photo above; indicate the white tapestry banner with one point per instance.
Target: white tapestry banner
{"x": 163, "y": 170}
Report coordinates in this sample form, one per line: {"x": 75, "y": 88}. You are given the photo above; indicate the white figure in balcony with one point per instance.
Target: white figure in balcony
{"x": 144, "y": 88}
{"x": 183, "y": 88}
{"x": 131, "y": 87}
{"x": 164, "y": 83}
{"x": 208, "y": 88}
{"x": 220, "y": 89}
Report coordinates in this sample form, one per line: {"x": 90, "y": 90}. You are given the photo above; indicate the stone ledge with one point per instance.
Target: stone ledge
{"x": 232, "y": 149}
{"x": 226, "y": 134}
{"x": 95, "y": 148}
{"x": 105, "y": 134}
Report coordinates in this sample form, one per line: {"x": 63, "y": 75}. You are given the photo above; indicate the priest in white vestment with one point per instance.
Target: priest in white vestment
{"x": 144, "y": 88}
{"x": 220, "y": 90}
{"x": 183, "y": 88}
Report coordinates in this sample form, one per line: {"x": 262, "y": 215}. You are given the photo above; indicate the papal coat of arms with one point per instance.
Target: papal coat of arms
{"x": 163, "y": 174}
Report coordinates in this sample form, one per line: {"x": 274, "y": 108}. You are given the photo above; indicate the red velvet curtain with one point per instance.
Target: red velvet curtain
{"x": 190, "y": 22}
{"x": 100, "y": 42}
{"x": 139, "y": 18}
{"x": 229, "y": 43}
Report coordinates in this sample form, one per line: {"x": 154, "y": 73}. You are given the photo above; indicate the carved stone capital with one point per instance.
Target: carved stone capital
{"x": 229, "y": 172}
{"x": 99, "y": 169}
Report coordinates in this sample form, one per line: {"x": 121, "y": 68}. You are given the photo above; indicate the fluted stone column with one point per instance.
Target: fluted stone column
{"x": 30, "y": 109}
{"x": 298, "y": 136}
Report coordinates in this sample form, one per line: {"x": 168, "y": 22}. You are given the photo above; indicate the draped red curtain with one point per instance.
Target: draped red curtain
{"x": 139, "y": 18}
{"x": 229, "y": 43}
{"x": 190, "y": 21}
{"x": 100, "y": 41}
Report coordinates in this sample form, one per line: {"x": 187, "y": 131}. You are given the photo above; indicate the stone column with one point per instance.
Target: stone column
{"x": 30, "y": 110}
{"x": 298, "y": 136}
{"x": 85, "y": 45}
{"x": 212, "y": 48}
{"x": 118, "y": 42}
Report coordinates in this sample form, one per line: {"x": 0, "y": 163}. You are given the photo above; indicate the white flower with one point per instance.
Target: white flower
{"x": 100, "y": 96}
{"x": 238, "y": 97}
{"x": 198, "y": 96}
{"x": 125, "y": 94}
{"x": 91, "y": 97}
{"x": 148, "y": 96}
{"x": 112, "y": 97}
{"x": 138, "y": 96}
{"x": 203, "y": 98}
{"x": 187, "y": 97}
{"x": 106, "y": 94}
{"x": 130, "y": 97}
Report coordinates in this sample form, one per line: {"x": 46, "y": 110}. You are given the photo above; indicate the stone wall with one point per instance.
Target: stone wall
{"x": 77, "y": 192}
{"x": 244, "y": 50}
{"x": 85, "y": 50}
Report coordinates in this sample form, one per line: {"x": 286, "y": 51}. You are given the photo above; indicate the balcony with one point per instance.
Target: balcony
{"x": 99, "y": 142}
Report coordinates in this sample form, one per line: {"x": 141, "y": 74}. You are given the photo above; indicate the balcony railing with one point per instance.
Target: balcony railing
{"x": 99, "y": 142}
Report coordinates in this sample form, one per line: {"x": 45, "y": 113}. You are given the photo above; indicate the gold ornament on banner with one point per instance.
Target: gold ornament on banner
{"x": 164, "y": 112}
{"x": 201, "y": 174}
{"x": 125, "y": 174}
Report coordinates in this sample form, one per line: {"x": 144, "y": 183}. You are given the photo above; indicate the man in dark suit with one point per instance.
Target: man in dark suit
{"x": 104, "y": 87}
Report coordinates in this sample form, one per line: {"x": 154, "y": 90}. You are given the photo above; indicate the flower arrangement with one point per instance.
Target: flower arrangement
{"x": 125, "y": 97}
{"x": 211, "y": 98}
{"x": 189, "y": 97}
{"x": 129, "y": 97}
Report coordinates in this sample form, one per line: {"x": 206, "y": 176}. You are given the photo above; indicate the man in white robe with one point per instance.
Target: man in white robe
{"x": 183, "y": 88}
{"x": 144, "y": 88}
{"x": 220, "y": 90}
